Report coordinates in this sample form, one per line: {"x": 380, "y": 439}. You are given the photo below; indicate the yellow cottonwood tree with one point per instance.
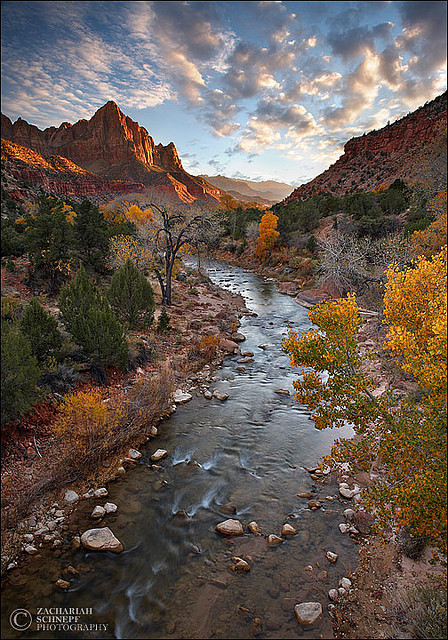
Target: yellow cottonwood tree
{"x": 407, "y": 437}
{"x": 268, "y": 234}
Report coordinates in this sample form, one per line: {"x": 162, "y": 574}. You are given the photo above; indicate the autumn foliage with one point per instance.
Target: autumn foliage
{"x": 408, "y": 438}
{"x": 268, "y": 234}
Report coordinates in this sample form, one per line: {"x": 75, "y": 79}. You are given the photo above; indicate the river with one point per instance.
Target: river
{"x": 173, "y": 580}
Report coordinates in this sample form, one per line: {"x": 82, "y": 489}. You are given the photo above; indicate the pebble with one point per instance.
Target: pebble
{"x": 159, "y": 454}
{"x": 230, "y": 528}
{"x": 344, "y": 527}
{"x": 254, "y": 527}
{"x": 101, "y": 492}
{"x": 345, "y": 583}
{"x": 219, "y": 395}
{"x": 62, "y": 584}
{"x": 98, "y": 512}
{"x": 314, "y": 504}
{"x": 282, "y": 392}
{"x": 333, "y": 594}
{"x": 110, "y": 507}
{"x": 273, "y": 539}
{"x": 30, "y": 550}
{"x": 332, "y": 557}
{"x": 134, "y": 454}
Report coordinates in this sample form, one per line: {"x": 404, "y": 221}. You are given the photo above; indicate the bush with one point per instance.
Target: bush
{"x": 11, "y": 308}
{"x": 92, "y": 323}
{"x": 61, "y": 378}
{"x": 131, "y": 296}
{"x": 421, "y": 611}
{"x": 19, "y": 374}
{"x": 163, "y": 325}
{"x": 41, "y": 329}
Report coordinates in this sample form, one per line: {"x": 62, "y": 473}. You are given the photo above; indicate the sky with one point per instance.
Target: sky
{"x": 255, "y": 90}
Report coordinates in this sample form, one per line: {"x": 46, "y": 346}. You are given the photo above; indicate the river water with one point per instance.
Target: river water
{"x": 174, "y": 580}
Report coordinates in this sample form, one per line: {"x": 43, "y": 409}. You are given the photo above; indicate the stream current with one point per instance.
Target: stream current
{"x": 174, "y": 580}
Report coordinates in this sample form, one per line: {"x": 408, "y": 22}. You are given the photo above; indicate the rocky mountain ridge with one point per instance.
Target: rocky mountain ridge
{"x": 114, "y": 147}
{"x": 381, "y": 156}
{"x": 265, "y": 191}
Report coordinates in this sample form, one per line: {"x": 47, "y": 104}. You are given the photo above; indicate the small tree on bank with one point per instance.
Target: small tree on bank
{"x": 41, "y": 329}
{"x": 131, "y": 296}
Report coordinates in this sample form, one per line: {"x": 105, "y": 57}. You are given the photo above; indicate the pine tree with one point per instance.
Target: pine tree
{"x": 19, "y": 374}
{"x": 91, "y": 233}
{"x": 131, "y": 296}
{"x": 163, "y": 325}
{"x": 92, "y": 323}
{"x": 41, "y": 330}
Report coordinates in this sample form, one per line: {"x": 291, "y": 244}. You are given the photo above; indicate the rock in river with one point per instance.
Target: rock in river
{"x": 159, "y": 454}
{"x": 101, "y": 540}
{"x": 288, "y": 530}
{"x": 180, "y": 397}
{"x": 230, "y": 528}
{"x": 308, "y": 612}
{"x": 219, "y": 395}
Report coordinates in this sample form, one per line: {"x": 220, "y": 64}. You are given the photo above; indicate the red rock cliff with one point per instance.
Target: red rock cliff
{"x": 381, "y": 156}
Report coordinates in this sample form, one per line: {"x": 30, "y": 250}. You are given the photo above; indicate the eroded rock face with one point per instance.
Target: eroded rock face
{"x": 388, "y": 153}
{"x": 113, "y": 146}
{"x": 101, "y": 540}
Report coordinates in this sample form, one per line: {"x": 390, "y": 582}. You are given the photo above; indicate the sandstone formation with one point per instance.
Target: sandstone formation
{"x": 381, "y": 156}
{"x": 114, "y": 147}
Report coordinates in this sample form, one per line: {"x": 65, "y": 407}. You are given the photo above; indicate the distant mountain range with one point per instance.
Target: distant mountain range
{"x": 265, "y": 192}
{"x": 383, "y": 155}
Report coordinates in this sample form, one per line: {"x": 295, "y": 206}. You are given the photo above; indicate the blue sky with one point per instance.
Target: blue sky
{"x": 262, "y": 90}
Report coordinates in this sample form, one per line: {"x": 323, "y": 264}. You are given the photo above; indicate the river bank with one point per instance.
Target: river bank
{"x": 199, "y": 309}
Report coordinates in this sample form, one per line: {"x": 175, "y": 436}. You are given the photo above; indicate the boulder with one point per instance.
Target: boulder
{"x": 230, "y": 528}
{"x": 219, "y": 395}
{"x": 364, "y": 522}
{"x": 180, "y": 397}
{"x": 101, "y": 540}
{"x": 159, "y": 454}
{"x": 288, "y": 530}
{"x": 308, "y": 612}
{"x": 229, "y": 345}
{"x": 71, "y": 497}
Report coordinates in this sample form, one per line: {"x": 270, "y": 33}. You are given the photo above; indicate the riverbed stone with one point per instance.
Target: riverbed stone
{"x": 159, "y": 454}
{"x": 288, "y": 530}
{"x": 238, "y": 337}
{"x": 333, "y": 594}
{"x": 134, "y": 454}
{"x": 98, "y": 512}
{"x": 31, "y": 550}
{"x": 332, "y": 557}
{"x": 344, "y": 527}
{"x": 110, "y": 507}
{"x": 308, "y": 612}
{"x": 364, "y": 522}
{"x": 254, "y": 527}
{"x": 273, "y": 539}
{"x": 314, "y": 504}
{"x": 62, "y": 584}
{"x": 180, "y": 397}
{"x": 101, "y": 540}
{"x": 348, "y": 493}
{"x": 71, "y": 496}
{"x": 219, "y": 395}
{"x": 230, "y": 528}
{"x": 282, "y": 392}
{"x": 345, "y": 583}
{"x": 240, "y": 564}
{"x": 102, "y": 492}
{"x": 229, "y": 345}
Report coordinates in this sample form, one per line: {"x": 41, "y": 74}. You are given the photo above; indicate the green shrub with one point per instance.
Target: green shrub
{"x": 41, "y": 330}
{"x": 163, "y": 325}
{"x": 131, "y": 297}
{"x": 92, "y": 323}
{"x": 19, "y": 374}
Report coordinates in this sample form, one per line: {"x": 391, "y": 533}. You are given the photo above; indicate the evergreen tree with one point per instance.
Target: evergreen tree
{"x": 19, "y": 374}
{"x": 131, "y": 295}
{"x": 91, "y": 322}
{"x": 49, "y": 240}
{"x": 41, "y": 330}
{"x": 163, "y": 325}
{"x": 91, "y": 234}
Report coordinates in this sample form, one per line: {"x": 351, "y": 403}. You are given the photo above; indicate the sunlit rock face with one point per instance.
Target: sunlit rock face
{"x": 383, "y": 155}
{"x": 114, "y": 147}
